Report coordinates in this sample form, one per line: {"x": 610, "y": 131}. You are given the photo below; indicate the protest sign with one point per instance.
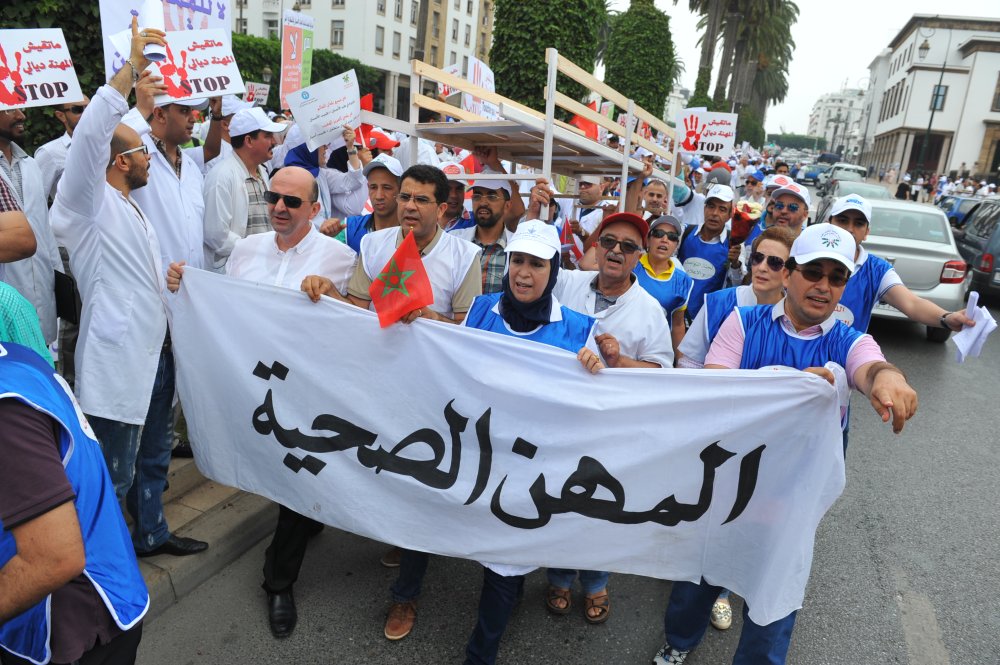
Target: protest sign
{"x": 257, "y": 93}
{"x": 178, "y": 15}
{"x": 199, "y": 64}
{"x": 707, "y": 133}
{"x": 510, "y": 465}
{"x": 324, "y": 109}
{"x": 36, "y": 69}
{"x": 607, "y": 108}
{"x": 445, "y": 90}
{"x": 296, "y": 53}
{"x": 481, "y": 75}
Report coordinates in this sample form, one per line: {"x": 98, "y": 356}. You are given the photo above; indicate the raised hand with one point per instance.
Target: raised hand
{"x": 692, "y": 134}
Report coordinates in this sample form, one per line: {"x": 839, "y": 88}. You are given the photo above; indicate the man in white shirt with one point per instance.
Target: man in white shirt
{"x": 125, "y": 371}
{"x": 285, "y": 257}
{"x": 234, "y": 190}
{"x": 34, "y": 277}
{"x": 51, "y": 157}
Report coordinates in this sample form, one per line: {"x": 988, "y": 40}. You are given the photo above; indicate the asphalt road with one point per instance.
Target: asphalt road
{"x": 905, "y": 567}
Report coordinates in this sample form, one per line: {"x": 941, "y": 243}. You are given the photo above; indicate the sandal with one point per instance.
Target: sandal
{"x": 558, "y": 601}
{"x": 601, "y": 603}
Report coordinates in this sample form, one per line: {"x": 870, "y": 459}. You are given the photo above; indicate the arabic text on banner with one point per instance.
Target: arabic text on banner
{"x": 296, "y": 53}
{"x": 39, "y": 69}
{"x": 707, "y": 133}
{"x": 401, "y": 435}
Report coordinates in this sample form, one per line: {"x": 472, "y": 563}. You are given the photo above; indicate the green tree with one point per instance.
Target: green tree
{"x": 640, "y": 58}
{"x": 522, "y": 29}
{"x": 797, "y": 141}
{"x": 749, "y": 127}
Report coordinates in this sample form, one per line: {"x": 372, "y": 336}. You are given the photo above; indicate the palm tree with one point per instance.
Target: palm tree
{"x": 711, "y": 11}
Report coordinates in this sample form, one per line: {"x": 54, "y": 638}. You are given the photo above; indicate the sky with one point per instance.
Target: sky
{"x": 835, "y": 43}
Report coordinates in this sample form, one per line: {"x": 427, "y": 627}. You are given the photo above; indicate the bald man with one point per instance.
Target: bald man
{"x": 124, "y": 367}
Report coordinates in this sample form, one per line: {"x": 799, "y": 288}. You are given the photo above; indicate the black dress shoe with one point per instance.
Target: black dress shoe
{"x": 177, "y": 546}
{"x": 281, "y": 613}
{"x": 182, "y": 449}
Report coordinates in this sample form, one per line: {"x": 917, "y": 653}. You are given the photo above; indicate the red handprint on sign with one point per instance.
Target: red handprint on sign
{"x": 170, "y": 71}
{"x": 14, "y": 96}
{"x": 692, "y": 134}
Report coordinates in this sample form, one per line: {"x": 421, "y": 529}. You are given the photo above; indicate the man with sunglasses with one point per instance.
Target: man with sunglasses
{"x": 705, "y": 251}
{"x": 51, "y": 156}
{"x": 799, "y": 332}
{"x": 234, "y": 190}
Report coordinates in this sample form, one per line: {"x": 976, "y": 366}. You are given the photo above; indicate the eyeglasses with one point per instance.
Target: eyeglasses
{"x": 670, "y": 235}
{"x": 792, "y": 207}
{"x": 419, "y": 200}
{"x": 78, "y": 110}
{"x": 814, "y": 273}
{"x": 290, "y": 201}
{"x": 775, "y": 263}
{"x": 856, "y": 222}
{"x": 609, "y": 243}
{"x": 11, "y": 111}
{"x": 144, "y": 149}
{"x": 492, "y": 197}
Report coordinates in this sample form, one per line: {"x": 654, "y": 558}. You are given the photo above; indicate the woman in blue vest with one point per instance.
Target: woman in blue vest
{"x": 762, "y": 286}
{"x": 527, "y": 309}
{"x": 662, "y": 276}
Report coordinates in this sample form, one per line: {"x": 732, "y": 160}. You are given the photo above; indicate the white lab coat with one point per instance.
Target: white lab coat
{"x": 226, "y": 209}
{"x": 115, "y": 256}
{"x": 51, "y": 158}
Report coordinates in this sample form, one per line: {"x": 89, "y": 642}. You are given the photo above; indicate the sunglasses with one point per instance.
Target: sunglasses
{"x": 144, "y": 149}
{"x": 775, "y": 263}
{"x": 290, "y": 201}
{"x": 815, "y": 273}
{"x": 609, "y": 243}
{"x": 792, "y": 207}
{"x": 660, "y": 233}
{"x": 78, "y": 110}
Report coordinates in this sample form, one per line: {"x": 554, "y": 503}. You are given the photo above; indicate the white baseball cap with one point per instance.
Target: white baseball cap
{"x": 231, "y": 104}
{"x": 251, "y": 120}
{"x": 198, "y": 104}
{"x": 778, "y": 180}
{"x": 535, "y": 237}
{"x": 384, "y": 161}
{"x": 825, "y": 241}
{"x": 795, "y": 190}
{"x": 591, "y": 179}
{"x": 454, "y": 168}
{"x": 852, "y": 202}
{"x": 721, "y": 192}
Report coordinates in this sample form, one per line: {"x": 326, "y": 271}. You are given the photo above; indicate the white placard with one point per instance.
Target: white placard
{"x": 324, "y": 109}
{"x": 257, "y": 93}
{"x": 706, "y": 133}
{"x": 481, "y": 75}
{"x": 39, "y": 69}
{"x": 477, "y": 445}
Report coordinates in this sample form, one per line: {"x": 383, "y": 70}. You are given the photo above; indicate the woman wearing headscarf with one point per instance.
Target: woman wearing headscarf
{"x": 527, "y": 309}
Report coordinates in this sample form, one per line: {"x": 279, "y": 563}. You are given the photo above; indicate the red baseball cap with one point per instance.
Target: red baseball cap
{"x": 627, "y": 218}
{"x": 377, "y": 139}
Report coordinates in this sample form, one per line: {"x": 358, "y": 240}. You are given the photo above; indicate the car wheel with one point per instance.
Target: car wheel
{"x": 938, "y": 335}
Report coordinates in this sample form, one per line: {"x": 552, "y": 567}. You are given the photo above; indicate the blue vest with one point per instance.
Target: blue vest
{"x": 110, "y": 560}
{"x": 704, "y": 255}
{"x": 670, "y": 293}
{"x": 718, "y": 307}
{"x": 766, "y": 343}
{"x": 357, "y": 227}
{"x": 757, "y": 229}
{"x": 463, "y": 221}
{"x": 861, "y": 293}
{"x": 572, "y": 333}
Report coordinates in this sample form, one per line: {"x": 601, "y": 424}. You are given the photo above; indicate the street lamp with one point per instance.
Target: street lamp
{"x": 265, "y": 75}
{"x": 922, "y": 53}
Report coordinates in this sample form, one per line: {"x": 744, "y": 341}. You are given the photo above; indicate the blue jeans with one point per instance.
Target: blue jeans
{"x": 592, "y": 581}
{"x": 687, "y": 617}
{"x": 120, "y": 446}
{"x": 496, "y": 603}
{"x": 412, "y": 567}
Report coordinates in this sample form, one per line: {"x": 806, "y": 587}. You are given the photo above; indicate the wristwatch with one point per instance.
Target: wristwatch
{"x": 217, "y": 117}
{"x": 943, "y": 322}
{"x": 352, "y": 152}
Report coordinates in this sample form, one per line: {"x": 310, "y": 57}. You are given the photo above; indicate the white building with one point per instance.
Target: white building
{"x": 836, "y": 117}
{"x": 380, "y": 33}
{"x": 940, "y": 76}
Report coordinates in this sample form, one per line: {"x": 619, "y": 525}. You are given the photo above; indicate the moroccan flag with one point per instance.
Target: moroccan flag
{"x": 367, "y": 104}
{"x": 402, "y": 286}
{"x": 588, "y": 127}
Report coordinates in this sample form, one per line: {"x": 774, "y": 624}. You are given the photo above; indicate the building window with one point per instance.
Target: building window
{"x": 996, "y": 96}
{"x": 271, "y": 27}
{"x": 452, "y": 58}
{"x": 414, "y": 12}
{"x": 337, "y": 4}
{"x": 458, "y": 4}
{"x": 468, "y": 8}
{"x": 437, "y": 25}
{"x": 465, "y": 66}
{"x": 397, "y": 41}
{"x": 454, "y": 30}
{"x": 937, "y": 97}
{"x": 379, "y": 38}
{"x": 305, "y": 4}
{"x": 468, "y": 34}
{"x": 336, "y": 34}
{"x": 413, "y": 48}
{"x": 399, "y": 10}
{"x": 380, "y": 7}
{"x": 242, "y": 27}
{"x": 434, "y": 55}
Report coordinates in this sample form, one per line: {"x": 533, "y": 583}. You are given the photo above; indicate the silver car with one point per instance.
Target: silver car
{"x": 916, "y": 239}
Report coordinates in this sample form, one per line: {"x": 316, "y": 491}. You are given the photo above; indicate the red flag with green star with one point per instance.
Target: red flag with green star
{"x": 402, "y": 286}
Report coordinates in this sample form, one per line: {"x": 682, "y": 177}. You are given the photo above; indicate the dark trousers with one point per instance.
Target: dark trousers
{"x": 283, "y": 558}
{"x": 496, "y": 603}
{"x": 412, "y": 568}
{"x": 119, "y": 651}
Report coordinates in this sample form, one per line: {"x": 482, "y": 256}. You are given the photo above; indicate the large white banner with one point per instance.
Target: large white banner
{"x": 471, "y": 444}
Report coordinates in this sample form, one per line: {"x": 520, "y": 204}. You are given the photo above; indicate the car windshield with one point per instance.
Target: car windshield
{"x": 848, "y": 175}
{"x": 967, "y": 205}
{"x": 862, "y": 189}
{"x": 910, "y": 224}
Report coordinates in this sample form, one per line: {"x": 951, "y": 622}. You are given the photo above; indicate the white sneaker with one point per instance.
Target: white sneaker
{"x": 667, "y": 655}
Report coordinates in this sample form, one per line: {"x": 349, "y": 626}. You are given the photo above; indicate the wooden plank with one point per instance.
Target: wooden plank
{"x": 431, "y": 104}
{"x": 588, "y": 80}
{"x": 576, "y": 107}
{"x": 428, "y": 71}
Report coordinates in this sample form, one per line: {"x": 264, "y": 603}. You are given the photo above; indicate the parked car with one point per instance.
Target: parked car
{"x": 840, "y": 171}
{"x": 812, "y": 173}
{"x": 979, "y": 243}
{"x": 956, "y": 207}
{"x": 844, "y": 188}
{"x": 917, "y": 240}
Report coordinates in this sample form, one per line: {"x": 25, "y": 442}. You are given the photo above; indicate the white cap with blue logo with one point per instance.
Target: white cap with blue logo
{"x": 852, "y": 202}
